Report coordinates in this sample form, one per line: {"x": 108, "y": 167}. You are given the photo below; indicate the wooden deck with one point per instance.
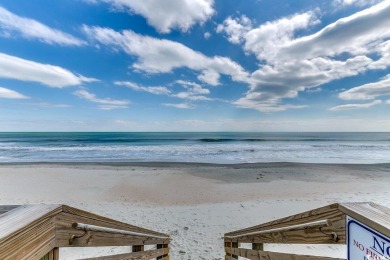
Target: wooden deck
{"x": 326, "y": 225}
{"x": 37, "y": 231}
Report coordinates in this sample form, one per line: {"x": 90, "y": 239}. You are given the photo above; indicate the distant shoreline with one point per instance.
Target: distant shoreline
{"x": 188, "y": 164}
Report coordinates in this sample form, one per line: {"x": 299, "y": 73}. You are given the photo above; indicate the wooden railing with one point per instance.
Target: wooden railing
{"x": 326, "y": 225}
{"x": 38, "y": 231}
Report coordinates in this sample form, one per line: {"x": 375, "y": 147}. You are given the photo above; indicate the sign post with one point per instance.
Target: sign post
{"x": 365, "y": 243}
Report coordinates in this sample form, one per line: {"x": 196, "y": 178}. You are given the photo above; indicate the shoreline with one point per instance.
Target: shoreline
{"x": 178, "y": 164}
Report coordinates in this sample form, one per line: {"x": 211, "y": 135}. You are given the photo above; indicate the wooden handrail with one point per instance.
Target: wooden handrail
{"x": 314, "y": 224}
{"x": 38, "y": 231}
{"x": 86, "y": 227}
{"x": 325, "y": 225}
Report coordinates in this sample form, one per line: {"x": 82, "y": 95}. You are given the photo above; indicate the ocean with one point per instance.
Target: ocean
{"x": 195, "y": 147}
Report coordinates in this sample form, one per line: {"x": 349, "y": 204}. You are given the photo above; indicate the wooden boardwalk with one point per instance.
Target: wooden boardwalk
{"x": 38, "y": 231}
{"x": 326, "y": 225}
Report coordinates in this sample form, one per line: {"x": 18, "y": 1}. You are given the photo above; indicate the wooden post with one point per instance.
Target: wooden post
{"x": 258, "y": 246}
{"x": 228, "y": 256}
{"x": 234, "y": 245}
{"x": 52, "y": 255}
{"x": 164, "y": 257}
{"x": 56, "y": 253}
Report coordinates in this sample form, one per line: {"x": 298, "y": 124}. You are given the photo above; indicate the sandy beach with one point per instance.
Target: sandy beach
{"x": 195, "y": 203}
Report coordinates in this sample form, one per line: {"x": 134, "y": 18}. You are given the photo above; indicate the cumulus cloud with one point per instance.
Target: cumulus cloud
{"x": 180, "y": 105}
{"x": 235, "y": 28}
{"x": 368, "y": 91}
{"x": 163, "y": 56}
{"x": 10, "y": 94}
{"x": 269, "y": 38}
{"x": 157, "y": 90}
{"x": 168, "y": 14}
{"x": 31, "y": 29}
{"x": 356, "y": 106}
{"x": 292, "y": 64}
{"x": 25, "y": 70}
{"x": 104, "y": 103}
{"x": 357, "y": 34}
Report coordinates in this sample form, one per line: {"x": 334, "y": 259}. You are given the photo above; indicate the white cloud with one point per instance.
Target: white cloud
{"x": 210, "y": 77}
{"x": 354, "y": 2}
{"x": 235, "y": 28}
{"x": 48, "y": 105}
{"x": 270, "y": 105}
{"x": 163, "y": 56}
{"x": 357, "y": 34}
{"x": 294, "y": 64}
{"x": 269, "y": 38}
{"x": 368, "y": 91}
{"x": 168, "y": 14}
{"x": 157, "y": 90}
{"x": 104, "y": 103}
{"x": 28, "y": 28}
{"x": 356, "y": 106}
{"x": 25, "y": 70}
{"x": 207, "y": 35}
{"x": 180, "y": 105}
{"x": 11, "y": 94}
{"x": 194, "y": 91}
{"x": 193, "y": 88}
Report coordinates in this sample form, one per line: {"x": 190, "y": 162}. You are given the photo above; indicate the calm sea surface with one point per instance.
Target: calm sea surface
{"x": 196, "y": 147}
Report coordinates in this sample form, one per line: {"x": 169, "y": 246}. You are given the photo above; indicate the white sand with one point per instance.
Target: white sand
{"x": 194, "y": 203}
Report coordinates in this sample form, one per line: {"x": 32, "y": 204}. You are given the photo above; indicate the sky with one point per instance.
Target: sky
{"x": 195, "y": 65}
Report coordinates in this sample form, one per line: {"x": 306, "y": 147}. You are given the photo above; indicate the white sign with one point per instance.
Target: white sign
{"x": 364, "y": 243}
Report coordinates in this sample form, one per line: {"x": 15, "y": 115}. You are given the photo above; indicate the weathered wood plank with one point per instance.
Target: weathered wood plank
{"x": 313, "y": 236}
{"x": 94, "y": 219}
{"x": 308, "y": 225}
{"x": 32, "y": 243}
{"x": 149, "y": 254}
{"x": 371, "y": 214}
{"x": 23, "y": 217}
{"x": 264, "y": 255}
{"x": 32, "y": 231}
{"x": 64, "y": 231}
{"x": 27, "y": 232}
{"x": 97, "y": 239}
{"x": 309, "y": 235}
{"x": 308, "y": 216}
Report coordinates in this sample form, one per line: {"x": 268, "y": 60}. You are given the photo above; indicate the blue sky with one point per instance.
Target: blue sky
{"x": 194, "y": 65}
